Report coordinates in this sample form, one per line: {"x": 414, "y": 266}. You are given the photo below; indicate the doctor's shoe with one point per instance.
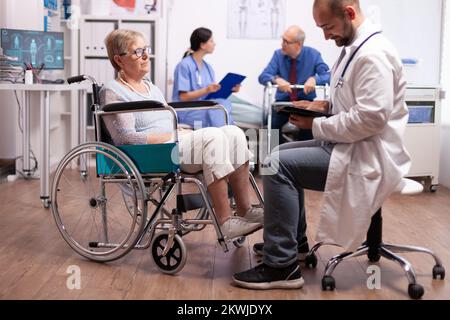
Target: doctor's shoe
{"x": 237, "y": 227}
{"x": 303, "y": 249}
{"x": 255, "y": 215}
{"x": 263, "y": 277}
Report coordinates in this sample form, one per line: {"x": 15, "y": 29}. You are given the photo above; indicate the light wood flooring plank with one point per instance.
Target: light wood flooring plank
{"x": 34, "y": 258}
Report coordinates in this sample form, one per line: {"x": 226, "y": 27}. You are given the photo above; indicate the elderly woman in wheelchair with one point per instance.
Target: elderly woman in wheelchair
{"x": 141, "y": 164}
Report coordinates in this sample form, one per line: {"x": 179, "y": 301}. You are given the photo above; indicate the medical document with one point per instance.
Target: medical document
{"x": 226, "y": 86}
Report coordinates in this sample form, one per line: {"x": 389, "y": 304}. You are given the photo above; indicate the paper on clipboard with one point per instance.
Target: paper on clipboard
{"x": 226, "y": 86}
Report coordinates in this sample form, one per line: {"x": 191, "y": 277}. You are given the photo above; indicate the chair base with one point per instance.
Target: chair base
{"x": 374, "y": 248}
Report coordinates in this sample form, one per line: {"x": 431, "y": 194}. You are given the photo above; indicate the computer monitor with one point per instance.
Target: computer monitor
{"x": 34, "y": 47}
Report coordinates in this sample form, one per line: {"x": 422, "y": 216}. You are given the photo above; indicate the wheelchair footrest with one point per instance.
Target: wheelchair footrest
{"x": 188, "y": 202}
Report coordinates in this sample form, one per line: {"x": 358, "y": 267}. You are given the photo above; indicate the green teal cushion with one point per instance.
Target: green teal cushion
{"x": 148, "y": 158}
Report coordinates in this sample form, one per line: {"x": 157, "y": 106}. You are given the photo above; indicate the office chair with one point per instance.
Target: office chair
{"x": 375, "y": 248}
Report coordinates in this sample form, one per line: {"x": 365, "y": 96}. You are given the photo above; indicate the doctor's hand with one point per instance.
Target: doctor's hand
{"x": 310, "y": 85}
{"x": 213, "y": 87}
{"x": 319, "y": 105}
{"x": 301, "y": 122}
{"x": 283, "y": 85}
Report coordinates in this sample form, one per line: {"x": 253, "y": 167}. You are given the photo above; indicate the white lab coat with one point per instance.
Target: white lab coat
{"x": 369, "y": 159}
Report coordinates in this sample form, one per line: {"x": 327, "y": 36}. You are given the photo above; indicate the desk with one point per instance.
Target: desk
{"x": 44, "y": 160}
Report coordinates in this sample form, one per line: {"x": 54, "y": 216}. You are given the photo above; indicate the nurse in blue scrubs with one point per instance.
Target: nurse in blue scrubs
{"x": 194, "y": 79}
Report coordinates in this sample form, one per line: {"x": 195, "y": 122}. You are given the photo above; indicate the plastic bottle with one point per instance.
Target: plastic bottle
{"x": 28, "y": 77}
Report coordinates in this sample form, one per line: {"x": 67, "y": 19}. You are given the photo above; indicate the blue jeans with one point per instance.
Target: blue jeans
{"x": 302, "y": 165}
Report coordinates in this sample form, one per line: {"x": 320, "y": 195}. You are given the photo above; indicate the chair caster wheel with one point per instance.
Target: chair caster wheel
{"x": 239, "y": 242}
{"x": 311, "y": 261}
{"x": 438, "y": 273}
{"x": 328, "y": 283}
{"x": 415, "y": 291}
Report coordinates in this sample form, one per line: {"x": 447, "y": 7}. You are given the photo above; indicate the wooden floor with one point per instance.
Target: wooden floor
{"x": 34, "y": 258}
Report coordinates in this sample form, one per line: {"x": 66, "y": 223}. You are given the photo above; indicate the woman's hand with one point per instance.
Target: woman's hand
{"x": 213, "y": 87}
{"x": 158, "y": 138}
{"x": 236, "y": 88}
{"x": 320, "y": 105}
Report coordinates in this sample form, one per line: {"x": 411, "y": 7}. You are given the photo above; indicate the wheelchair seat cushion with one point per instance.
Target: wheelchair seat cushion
{"x": 148, "y": 158}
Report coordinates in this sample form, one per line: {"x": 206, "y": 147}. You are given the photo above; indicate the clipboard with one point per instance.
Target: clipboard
{"x": 288, "y": 107}
{"x": 226, "y": 86}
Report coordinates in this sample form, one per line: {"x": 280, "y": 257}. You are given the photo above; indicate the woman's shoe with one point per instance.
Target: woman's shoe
{"x": 237, "y": 227}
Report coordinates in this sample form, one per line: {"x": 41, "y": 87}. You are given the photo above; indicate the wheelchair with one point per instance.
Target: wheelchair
{"x": 102, "y": 195}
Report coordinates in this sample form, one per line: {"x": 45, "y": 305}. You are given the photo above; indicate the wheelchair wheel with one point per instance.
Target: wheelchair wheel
{"x": 175, "y": 259}
{"x": 89, "y": 210}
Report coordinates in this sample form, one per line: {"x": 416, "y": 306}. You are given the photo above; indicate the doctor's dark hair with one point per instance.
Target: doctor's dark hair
{"x": 198, "y": 36}
{"x": 337, "y": 6}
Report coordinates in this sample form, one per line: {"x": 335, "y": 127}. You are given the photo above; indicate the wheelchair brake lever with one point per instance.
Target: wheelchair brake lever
{"x": 170, "y": 176}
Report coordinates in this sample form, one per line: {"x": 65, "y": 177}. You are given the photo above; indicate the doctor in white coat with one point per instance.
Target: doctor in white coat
{"x": 358, "y": 157}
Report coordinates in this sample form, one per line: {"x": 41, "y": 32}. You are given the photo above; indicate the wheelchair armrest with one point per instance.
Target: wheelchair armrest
{"x": 133, "y": 106}
{"x": 130, "y": 107}
{"x": 192, "y": 104}
{"x": 200, "y": 105}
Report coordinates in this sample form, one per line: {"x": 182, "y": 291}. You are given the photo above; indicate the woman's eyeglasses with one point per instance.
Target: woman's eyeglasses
{"x": 139, "y": 52}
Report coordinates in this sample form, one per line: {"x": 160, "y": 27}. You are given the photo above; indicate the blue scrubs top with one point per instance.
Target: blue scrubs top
{"x": 189, "y": 77}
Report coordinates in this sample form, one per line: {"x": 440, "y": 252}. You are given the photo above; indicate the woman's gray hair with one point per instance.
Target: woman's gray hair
{"x": 118, "y": 42}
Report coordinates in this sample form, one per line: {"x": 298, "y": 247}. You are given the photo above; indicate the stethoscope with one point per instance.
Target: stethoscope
{"x": 340, "y": 82}
{"x": 198, "y": 76}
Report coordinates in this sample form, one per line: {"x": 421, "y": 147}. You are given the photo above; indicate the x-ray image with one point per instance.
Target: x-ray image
{"x": 256, "y": 19}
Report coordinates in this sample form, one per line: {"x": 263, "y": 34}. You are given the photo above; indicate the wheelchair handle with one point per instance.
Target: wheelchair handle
{"x": 76, "y": 79}
{"x": 81, "y": 78}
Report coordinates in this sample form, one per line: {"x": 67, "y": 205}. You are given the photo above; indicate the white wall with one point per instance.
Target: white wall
{"x": 406, "y": 21}
{"x": 445, "y": 138}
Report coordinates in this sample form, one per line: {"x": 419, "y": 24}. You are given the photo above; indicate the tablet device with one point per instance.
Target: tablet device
{"x": 226, "y": 86}
{"x": 288, "y": 107}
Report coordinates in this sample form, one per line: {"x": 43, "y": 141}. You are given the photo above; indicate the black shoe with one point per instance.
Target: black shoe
{"x": 263, "y": 277}
{"x": 303, "y": 249}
